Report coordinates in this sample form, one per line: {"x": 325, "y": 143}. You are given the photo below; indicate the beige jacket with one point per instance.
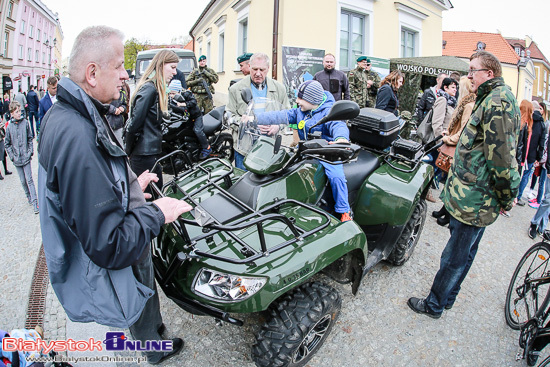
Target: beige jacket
{"x": 441, "y": 116}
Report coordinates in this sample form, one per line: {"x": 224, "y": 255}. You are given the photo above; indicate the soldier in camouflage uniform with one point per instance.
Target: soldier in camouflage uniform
{"x": 195, "y": 82}
{"x": 363, "y": 83}
{"x": 408, "y": 125}
{"x": 483, "y": 180}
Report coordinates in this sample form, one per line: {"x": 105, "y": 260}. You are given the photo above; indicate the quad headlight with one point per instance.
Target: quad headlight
{"x": 227, "y": 287}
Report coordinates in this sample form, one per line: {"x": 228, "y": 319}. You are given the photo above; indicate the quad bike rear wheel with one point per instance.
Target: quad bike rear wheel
{"x": 224, "y": 147}
{"x": 298, "y": 326}
{"x": 409, "y": 237}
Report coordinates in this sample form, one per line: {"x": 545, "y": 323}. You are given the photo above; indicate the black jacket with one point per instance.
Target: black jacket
{"x": 32, "y": 101}
{"x": 536, "y": 146}
{"x": 387, "y": 99}
{"x": 425, "y": 104}
{"x": 335, "y": 82}
{"x": 144, "y": 131}
{"x": 521, "y": 150}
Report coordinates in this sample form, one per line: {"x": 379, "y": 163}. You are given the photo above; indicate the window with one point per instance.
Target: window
{"x": 21, "y": 52}
{"x": 243, "y": 36}
{"x": 43, "y": 57}
{"x": 31, "y": 30}
{"x": 518, "y": 50}
{"x": 408, "y": 43}
{"x": 6, "y": 44}
{"x": 10, "y": 9}
{"x": 352, "y": 38}
{"x": 221, "y": 46}
{"x": 38, "y": 34}
{"x": 37, "y": 56}
{"x": 22, "y": 27}
{"x": 29, "y": 54}
{"x": 208, "y": 51}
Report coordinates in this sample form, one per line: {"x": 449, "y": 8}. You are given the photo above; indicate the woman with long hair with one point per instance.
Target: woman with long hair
{"x": 526, "y": 126}
{"x": 460, "y": 117}
{"x": 533, "y": 148}
{"x": 541, "y": 171}
{"x": 386, "y": 98}
{"x": 149, "y": 103}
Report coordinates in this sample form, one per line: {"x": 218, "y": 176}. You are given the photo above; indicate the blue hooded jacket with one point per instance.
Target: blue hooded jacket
{"x": 330, "y": 130}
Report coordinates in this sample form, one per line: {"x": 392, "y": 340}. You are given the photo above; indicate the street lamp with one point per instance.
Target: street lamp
{"x": 50, "y": 56}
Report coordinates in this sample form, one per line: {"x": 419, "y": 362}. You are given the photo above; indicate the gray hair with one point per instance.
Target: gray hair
{"x": 91, "y": 45}
{"x": 261, "y": 56}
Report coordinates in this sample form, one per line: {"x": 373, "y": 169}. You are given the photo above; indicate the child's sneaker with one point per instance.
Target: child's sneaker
{"x": 36, "y": 211}
{"x": 205, "y": 153}
{"x": 346, "y": 217}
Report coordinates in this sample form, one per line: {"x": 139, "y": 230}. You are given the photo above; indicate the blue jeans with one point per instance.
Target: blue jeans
{"x": 525, "y": 179}
{"x": 541, "y": 216}
{"x": 456, "y": 260}
{"x": 239, "y": 158}
{"x": 337, "y": 179}
{"x": 542, "y": 181}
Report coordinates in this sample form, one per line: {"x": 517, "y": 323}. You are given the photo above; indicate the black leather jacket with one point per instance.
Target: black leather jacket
{"x": 143, "y": 131}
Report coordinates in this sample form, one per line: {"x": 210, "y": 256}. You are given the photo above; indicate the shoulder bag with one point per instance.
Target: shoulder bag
{"x": 445, "y": 157}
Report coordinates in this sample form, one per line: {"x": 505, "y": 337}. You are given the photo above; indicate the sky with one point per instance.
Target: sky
{"x": 173, "y": 19}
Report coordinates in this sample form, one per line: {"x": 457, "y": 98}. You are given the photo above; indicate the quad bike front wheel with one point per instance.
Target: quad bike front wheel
{"x": 409, "y": 238}
{"x": 298, "y": 326}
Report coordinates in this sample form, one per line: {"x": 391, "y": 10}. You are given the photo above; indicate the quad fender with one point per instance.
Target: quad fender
{"x": 386, "y": 202}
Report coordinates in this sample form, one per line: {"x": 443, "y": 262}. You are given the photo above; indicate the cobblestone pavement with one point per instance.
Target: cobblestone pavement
{"x": 375, "y": 327}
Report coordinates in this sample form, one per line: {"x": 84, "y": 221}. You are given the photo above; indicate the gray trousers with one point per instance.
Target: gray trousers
{"x": 146, "y": 327}
{"x": 25, "y": 175}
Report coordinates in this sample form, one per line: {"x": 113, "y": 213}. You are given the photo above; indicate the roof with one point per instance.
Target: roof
{"x": 536, "y": 53}
{"x": 464, "y": 44}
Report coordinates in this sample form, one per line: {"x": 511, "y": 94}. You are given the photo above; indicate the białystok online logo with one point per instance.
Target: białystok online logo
{"x": 114, "y": 341}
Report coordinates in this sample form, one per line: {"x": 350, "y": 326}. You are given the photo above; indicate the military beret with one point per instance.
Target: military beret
{"x": 361, "y": 58}
{"x": 244, "y": 57}
{"x": 202, "y": 57}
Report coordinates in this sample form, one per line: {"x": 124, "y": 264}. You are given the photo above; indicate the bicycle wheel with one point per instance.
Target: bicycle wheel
{"x": 524, "y": 298}
{"x": 545, "y": 363}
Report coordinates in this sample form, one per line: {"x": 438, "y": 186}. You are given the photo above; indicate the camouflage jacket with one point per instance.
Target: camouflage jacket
{"x": 195, "y": 78}
{"x": 484, "y": 177}
{"x": 359, "y": 93}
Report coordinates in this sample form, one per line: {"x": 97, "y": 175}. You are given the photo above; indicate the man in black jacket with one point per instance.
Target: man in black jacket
{"x": 96, "y": 226}
{"x": 32, "y": 102}
{"x": 428, "y": 99}
{"x": 332, "y": 80}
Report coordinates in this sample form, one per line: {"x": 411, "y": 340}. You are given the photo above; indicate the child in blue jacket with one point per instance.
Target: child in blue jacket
{"x": 313, "y": 104}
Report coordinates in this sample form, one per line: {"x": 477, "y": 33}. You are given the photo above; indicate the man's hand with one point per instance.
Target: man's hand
{"x": 269, "y": 129}
{"x": 369, "y": 83}
{"x": 144, "y": 179}
{"x": 172, "y": 208}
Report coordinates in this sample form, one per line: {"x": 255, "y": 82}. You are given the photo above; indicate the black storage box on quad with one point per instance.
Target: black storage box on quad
{"x": 374, "y": 128}
{"x": 407, "y": 148}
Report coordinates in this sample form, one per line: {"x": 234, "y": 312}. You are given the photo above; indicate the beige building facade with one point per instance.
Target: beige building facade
{"x": 345, "y": 28}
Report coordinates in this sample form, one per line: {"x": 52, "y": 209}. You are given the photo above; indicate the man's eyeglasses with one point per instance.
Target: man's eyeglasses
{"x": 472, "y": 71}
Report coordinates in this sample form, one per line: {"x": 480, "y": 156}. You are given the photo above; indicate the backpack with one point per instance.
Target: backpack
{"x": 424, "y": 130}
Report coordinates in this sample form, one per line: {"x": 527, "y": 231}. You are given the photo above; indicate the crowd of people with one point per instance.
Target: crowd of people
{"x": 92, "y": 186}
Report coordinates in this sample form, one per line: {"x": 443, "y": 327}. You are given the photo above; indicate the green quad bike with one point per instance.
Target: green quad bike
{"x": 255, "y": 239}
